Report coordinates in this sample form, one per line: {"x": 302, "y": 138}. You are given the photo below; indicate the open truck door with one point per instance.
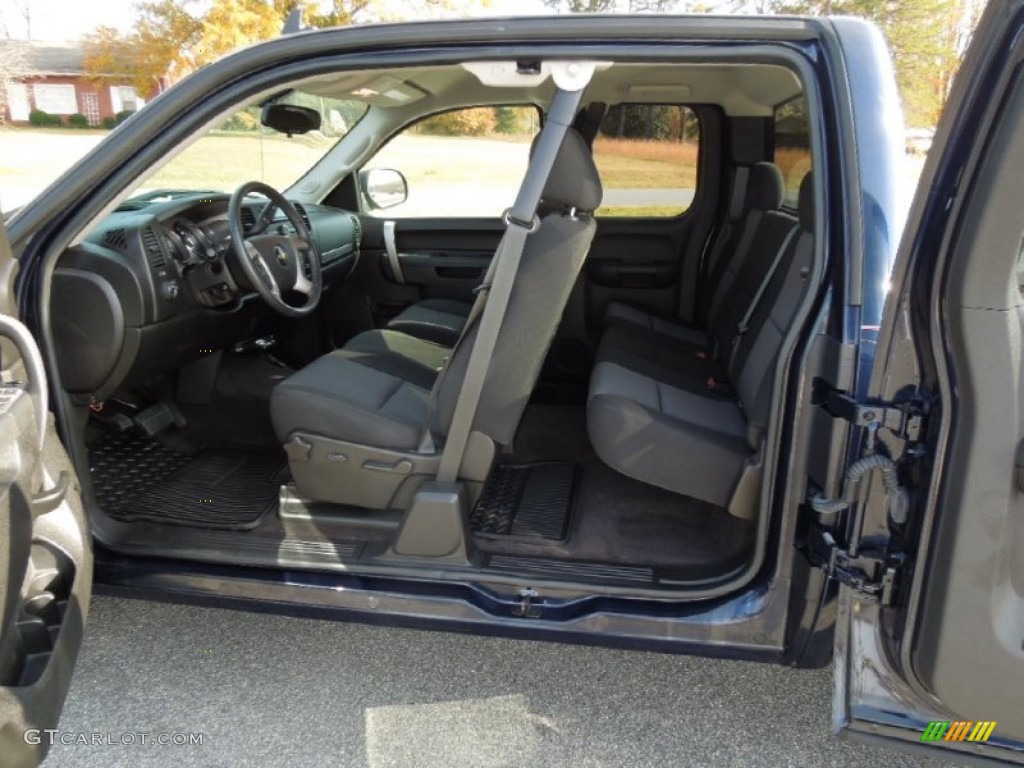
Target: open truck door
{"x": 929, "y": 543}
{"x": 45, "y": 559}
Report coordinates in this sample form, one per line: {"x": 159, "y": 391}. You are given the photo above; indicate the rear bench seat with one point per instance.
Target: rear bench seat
{"x": 760, "y": 227}
{"x": 686, "y": 409}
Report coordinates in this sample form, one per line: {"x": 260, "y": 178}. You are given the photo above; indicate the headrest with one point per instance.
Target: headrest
{"x": 765, "y": 188}
{"x": 805, "y": 208}
{"x": 574, "y": 181}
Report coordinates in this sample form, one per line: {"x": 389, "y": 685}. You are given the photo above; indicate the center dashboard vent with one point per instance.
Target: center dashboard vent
{"x": 248, "y": 218}
{"x": 154, "y": 249}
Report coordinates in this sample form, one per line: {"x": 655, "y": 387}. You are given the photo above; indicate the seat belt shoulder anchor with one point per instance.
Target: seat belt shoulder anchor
{"x": 530, "y": 226}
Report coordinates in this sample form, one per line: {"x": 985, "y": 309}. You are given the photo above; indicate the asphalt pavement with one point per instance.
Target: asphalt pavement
{"x": 268, "y": 690}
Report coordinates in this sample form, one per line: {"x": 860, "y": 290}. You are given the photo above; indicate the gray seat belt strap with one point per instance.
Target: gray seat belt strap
{"x": 739, "y": 191}
{"x": 521, "y": 222}
{"x": 744, "y": 324}
{"x": 427, "y": 438}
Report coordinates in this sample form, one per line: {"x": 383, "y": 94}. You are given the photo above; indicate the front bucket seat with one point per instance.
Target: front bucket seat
{"x": 365, "y": 425}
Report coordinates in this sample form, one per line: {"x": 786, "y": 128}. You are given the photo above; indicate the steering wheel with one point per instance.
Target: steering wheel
{"x": 276, "y": 264}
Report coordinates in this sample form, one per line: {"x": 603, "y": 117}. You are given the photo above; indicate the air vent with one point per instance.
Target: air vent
{"x": 248, "y": 218}
{"x": 302, "y": 214}
{"x": 357, "y": 233}
{"x": 154, "y": 251}
{"x": 115, "y": 238}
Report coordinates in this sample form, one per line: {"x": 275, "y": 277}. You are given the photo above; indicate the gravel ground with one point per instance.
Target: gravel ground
{"x": 270, "y": 690}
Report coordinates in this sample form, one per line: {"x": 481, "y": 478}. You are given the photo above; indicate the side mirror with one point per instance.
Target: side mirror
{"x": 383, "y": 187}
{"x": 290, "y": 119}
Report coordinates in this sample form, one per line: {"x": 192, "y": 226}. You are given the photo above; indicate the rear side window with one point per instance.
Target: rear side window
{"x": 647, "y": 155}
{"x": 792, "y": 141}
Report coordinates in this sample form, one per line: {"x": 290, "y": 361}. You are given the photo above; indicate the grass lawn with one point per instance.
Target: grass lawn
{"x": 227, "y": 160}
{"x": 635, "y": 164}
{"x": 224, "y": 160}
{"x": 639, "y": 211}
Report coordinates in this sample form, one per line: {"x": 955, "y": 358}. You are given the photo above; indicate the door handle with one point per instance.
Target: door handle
{"x": 392, "y": 251}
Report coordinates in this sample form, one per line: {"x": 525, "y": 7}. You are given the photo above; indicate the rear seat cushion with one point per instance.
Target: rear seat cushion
{"x": 665, "y": 436}
{"x": 437, "y": 320}
{"x": 665, "y": 359}
{"x": 619, "y": 314}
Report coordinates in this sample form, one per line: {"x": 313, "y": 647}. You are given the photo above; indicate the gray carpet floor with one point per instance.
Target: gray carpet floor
{"x": 616, "y": 519}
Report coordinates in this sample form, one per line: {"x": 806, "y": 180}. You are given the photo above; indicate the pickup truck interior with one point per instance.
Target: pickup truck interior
{"x": 266, "y": 366}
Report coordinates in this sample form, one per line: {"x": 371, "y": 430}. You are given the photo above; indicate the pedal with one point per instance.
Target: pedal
{"x": 159, "y": 417}
{"x": 254, "y": 345}
{"x": 114, "y": 421}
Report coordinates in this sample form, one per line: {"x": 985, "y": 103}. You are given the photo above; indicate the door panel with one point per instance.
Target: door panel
{"x": 433, "y": 259}
{"x": 972, "y": 600}
{"x": 636, "y": 261}
{"x": 633, "y": 260}
{"x": 46, "y": 560}
{"x": 939, "y": 661}
{"x": 443, "y": 258}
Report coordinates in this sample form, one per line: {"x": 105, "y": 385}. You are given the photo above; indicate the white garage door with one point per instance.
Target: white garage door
{"x": 55, "y": 99}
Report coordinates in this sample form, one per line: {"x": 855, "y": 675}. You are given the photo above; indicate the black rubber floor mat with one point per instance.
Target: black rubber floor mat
{"x": 527, "y": 501}
{"x": 139, "y": 480}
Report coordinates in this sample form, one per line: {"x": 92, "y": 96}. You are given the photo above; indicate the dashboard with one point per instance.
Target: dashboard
{"x": 157, "y": 285}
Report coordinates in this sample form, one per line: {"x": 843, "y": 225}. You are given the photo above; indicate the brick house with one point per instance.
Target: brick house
{"x": 58, "y": 85}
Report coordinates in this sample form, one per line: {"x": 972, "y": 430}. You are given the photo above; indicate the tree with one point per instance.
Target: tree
{"x": 174, "y": 37}
{"x": 231, "y": 24}
{"x": 22, "y": 8}
{"x": 160, "y": 47}
{"x": 628, "y": 6}
{"x": 582, "y": 6}
{"x": 654, "y": 6}
{"x": 340, "y": 13}
{"x": 926, "y": 37}
{"x": 478, "y": 121}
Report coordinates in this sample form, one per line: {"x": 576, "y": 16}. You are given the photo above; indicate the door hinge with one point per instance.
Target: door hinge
{"x": 529, "y": 605}
{"x": 905, "y": 419}
{"x": 872, "y": 574}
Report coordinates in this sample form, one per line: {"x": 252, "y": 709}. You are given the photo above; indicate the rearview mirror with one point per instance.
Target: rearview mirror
{"x": 383, "y": 187}
{"x": 290, "y": 119}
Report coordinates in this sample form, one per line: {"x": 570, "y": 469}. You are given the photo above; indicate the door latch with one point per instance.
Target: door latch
{"x": 528, "y": 607}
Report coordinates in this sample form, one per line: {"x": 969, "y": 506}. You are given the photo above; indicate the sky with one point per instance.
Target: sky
{"x": 70, "y": 19}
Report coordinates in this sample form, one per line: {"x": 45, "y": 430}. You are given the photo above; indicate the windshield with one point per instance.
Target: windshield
{"x": 241, "y": 149}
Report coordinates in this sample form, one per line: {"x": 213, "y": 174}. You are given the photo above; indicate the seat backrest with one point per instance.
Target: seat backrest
{"x": 764, "y": 192}
{"x": 548, "y": 269}
{"x": 754, "y": 361}
{"x": 769, "y": 232}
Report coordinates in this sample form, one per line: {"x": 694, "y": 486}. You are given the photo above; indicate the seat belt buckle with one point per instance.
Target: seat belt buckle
{"x": 719, "y": 387}
{"x": 511, "y": 221}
